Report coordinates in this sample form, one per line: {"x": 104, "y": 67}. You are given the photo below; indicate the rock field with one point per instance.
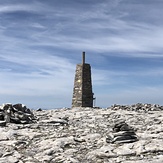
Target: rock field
{"x": 117, "y": 134}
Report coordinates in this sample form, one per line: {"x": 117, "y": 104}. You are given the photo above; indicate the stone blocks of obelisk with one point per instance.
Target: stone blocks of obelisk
{"x": 82, "y": 92}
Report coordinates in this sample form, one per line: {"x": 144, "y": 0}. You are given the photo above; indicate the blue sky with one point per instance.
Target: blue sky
{"x": 42, "y": 41}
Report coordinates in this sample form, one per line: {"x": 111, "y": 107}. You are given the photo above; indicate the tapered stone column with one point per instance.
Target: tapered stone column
{"x": 82, "y": 92}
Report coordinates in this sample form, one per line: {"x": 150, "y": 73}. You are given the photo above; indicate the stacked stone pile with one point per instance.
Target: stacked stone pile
{"x": 137, "y": 107}
{"x": 80, "y": 135}
{"x": 122, "y": 133}
{"x": 17, "y": 113}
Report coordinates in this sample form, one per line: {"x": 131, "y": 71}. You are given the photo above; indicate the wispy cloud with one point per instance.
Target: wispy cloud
{"x": 36, "y": 74}
{"x": 15, "y": 6}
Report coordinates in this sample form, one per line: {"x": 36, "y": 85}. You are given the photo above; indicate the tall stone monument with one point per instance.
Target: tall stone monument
{"x": 82, "y": 92}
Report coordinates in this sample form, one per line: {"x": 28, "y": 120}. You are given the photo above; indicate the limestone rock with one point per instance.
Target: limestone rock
{"x": 78, "y": 135}
{"x": 137, "y": 107}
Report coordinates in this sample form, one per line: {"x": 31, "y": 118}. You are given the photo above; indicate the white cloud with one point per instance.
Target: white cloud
{"x": 48, "y": 74}
{"x": 33, "y": 6}
{"x": 110, "y": 33}
{"x": 37, "y": 25}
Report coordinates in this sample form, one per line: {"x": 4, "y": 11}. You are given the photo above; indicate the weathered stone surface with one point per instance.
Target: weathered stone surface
{"x": 137, "y": 107}
{"x": 80, "y": 137}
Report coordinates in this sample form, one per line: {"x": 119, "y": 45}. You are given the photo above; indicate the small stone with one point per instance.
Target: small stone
{"x": 39, "y": 109}
{"x": 80, "y": 140}
{"x": 3, "y": 123}
{"x": 1, "y": 117}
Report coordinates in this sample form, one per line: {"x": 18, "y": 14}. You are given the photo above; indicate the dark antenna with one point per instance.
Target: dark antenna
{"x": 83, "y": 58}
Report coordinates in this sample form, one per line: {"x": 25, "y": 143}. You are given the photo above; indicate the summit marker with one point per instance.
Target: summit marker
{"x": 82, "y": 91}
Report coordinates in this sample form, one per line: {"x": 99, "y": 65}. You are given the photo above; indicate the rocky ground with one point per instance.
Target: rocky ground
{"x": 85, "y": 135}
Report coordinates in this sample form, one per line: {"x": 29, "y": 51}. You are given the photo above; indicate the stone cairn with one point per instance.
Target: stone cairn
{"x": 122, "y": 133}
{"x": 82, "y": 92}
{"x": 17, "y": 113}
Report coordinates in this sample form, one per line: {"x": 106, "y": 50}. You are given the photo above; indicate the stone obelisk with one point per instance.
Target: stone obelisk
{"x": 82, "y": 92}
